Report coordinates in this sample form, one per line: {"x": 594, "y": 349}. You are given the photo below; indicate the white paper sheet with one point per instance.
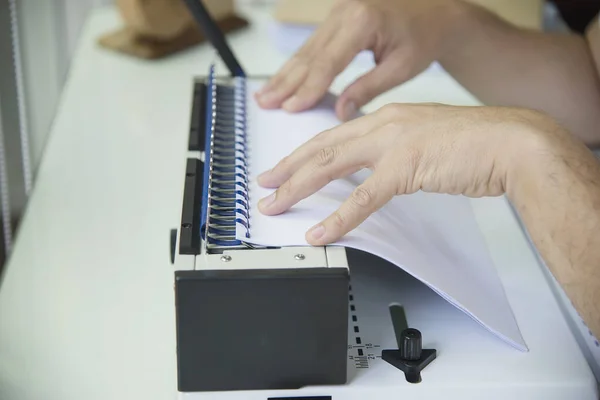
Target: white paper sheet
{"x": 433, "y": 237}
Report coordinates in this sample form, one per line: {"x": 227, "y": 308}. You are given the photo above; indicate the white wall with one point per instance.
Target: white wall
{"x": 40, "y": 52}
{"x": 49, "y": 32}
{"x": 75, "y": 14}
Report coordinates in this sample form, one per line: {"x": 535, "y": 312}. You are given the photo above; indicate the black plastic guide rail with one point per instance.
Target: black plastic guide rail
{"x": 198, "y": 118}
{"x": 189, "y": 238}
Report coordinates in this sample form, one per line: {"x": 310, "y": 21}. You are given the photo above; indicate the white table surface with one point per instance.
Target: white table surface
{"x": 86, "y": 305}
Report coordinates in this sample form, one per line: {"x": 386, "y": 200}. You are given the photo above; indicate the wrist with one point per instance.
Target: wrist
{"x": 458, "y": 26}
{"x": 467, "y": 27}
{"x": 543, "y": 154}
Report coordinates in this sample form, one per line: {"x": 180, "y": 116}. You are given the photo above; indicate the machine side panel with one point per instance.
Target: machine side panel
{"x": 261, "y": 329}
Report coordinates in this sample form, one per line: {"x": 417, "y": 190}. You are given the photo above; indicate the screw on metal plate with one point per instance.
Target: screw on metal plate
{"x": 299, "y": 257}
{"x": 225, "y": 258}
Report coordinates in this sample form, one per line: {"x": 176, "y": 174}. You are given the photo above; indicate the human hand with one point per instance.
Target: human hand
{"x": 472, "y": 151}
{"x": 405, "y": 36}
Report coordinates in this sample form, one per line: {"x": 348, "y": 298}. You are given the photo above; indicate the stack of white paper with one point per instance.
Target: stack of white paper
{"x": 433, "y": 237}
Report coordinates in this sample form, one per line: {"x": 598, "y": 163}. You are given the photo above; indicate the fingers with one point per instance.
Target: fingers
{"x": 367, "y": 198}
{"x": 323, "y": 69}
{"x": 294, "y": 71}
{"x": 344, "y": 132}
{"x": 303, "y": 80}
{"x": 328, "y": 164}
{"x": 312, "y": 88}
{"x": 301, "y": 179}
{"x": 283, "y": 84}
{"x": 370, "y": 85}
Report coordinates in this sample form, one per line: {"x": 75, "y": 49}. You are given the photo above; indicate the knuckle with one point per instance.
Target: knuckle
{"x": 285, "y": 190}
{"x": 393, "y": 126}
{"x": 293, "y": 78}
{"x": 413, "y": 155}
{"x": 395, "y": 131}
{"x": 326, "y": 156}
{"x": 298, "y": 58}
{"x": 362, "y": 197}
{"x": 362, "y": 14}
{"x": 321, "y": 136}
{"x": 338, "y": 220}
{"x": 320, "y": 69}
{"x": 284, "y": 164}
{"x": 300, "y": 61}
{"x": 391, "y": 110}
{"x": 320, "y": 140}
{"x": 293, "y": 69}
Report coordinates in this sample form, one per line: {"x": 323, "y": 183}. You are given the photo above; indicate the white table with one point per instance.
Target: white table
{"x": 86, "y": 306}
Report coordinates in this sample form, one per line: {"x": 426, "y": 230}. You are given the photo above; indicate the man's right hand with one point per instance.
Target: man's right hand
{"x": 405, "y": 36}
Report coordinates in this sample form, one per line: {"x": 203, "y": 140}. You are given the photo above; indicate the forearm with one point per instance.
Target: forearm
{"x": 504, "y": 65}
{"x": 557, "y": 194}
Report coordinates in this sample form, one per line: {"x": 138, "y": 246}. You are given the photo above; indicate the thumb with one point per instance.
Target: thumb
{"x": 364, "y": 89}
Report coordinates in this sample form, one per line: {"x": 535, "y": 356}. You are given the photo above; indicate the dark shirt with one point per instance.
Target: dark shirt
{"x": 577, "y": 14}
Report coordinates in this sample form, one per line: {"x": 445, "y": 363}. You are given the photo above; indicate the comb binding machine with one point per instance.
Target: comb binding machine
{"x": 288, "y": 306}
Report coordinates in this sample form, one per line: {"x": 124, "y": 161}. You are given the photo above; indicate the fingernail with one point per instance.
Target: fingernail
{"x": 292, "y": 104}
{"x": 267, "y": 201}
{"x": 317, "y": 232}
{"x": 349, "y": 110}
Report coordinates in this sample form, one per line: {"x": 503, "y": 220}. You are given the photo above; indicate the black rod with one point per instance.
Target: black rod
{"x": 215, "y": 36}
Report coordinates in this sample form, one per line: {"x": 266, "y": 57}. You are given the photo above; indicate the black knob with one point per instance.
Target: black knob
{"x": 411, "y": 342}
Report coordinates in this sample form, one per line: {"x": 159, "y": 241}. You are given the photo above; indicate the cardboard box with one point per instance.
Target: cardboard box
{"x": 523, "y": 13}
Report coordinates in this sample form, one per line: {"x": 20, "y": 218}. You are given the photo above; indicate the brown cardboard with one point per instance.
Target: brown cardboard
{"x": 523, "y": 13}
{"x": 157, "y": 28}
